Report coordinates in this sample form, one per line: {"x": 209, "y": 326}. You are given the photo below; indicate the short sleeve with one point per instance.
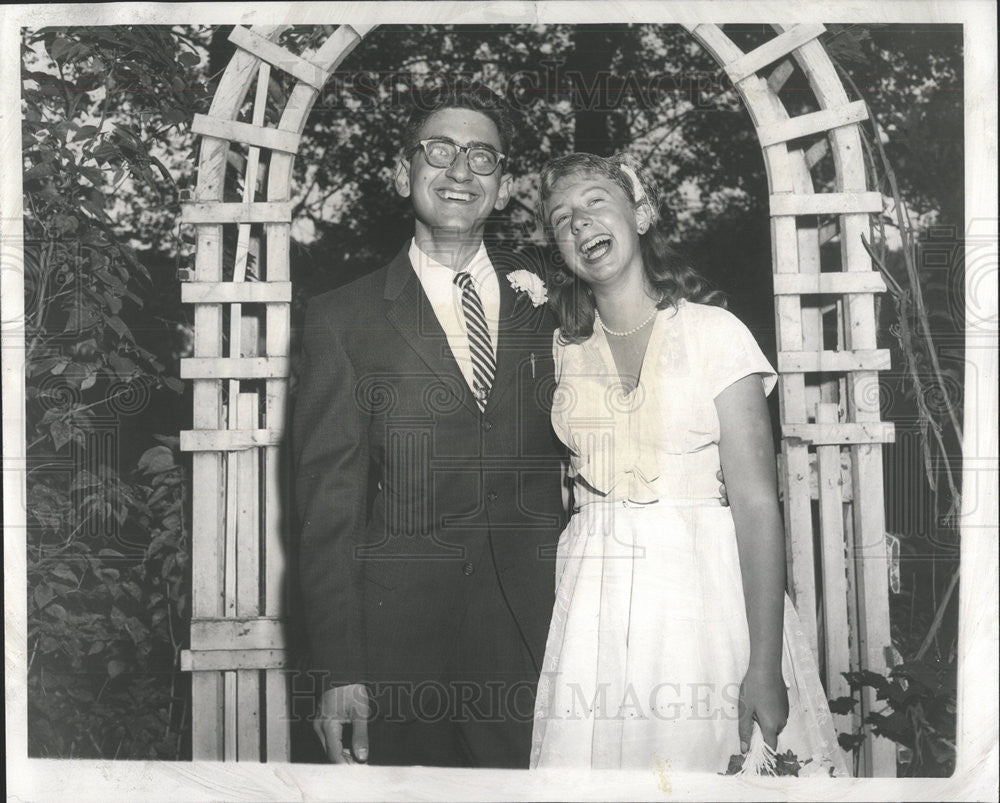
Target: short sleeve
{"x": 730, "y": 352}
{"x": 557, "y": 353}
{"x": 561, "y": 394}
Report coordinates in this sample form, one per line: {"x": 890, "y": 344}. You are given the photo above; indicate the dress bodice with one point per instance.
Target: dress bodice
{"x": 659, "y": 441}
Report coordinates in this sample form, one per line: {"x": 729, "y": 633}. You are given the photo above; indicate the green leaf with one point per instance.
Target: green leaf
{"x": 42, "y": 366}
{"x": 48, "y": 644}
{"x": 85, "y": 132}
{"x": 136, "y": 630}
{"x": 189, "y": 59}
{"x": 158, "y": 543}
{"x": 175, "y": 384}
{"x": 93, "y": 174}
{"x": 114, "y": 303}
{"x": 105, "y": 151}
{"x": 61, "y": 434}
{"x": 122, "y": 366}
{"x": 84, "y": 479}
{"x": 41, "y": 170}
{"x": 95, "y": 210}
{"x": 842, "y": 705}
{"x": 43, "y": 595}
{"x": 175, "y": 116}
{"x": 80, "y": 318}
{"x": 156, "y": 460}
{"x": 107, "y": 574}
{"x": 64, "y": 572}
{"x": 59, "y": 48}
{"x": 66, "y": 224}
{"x": 119, "y": 326}
{"x": 115, "y": 668}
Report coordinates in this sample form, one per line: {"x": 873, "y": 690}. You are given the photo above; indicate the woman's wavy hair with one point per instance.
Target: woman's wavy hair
{"x": 571, "y": 299}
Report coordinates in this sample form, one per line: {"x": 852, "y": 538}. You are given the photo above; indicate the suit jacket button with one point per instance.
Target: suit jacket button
{"x": 487, "y": 425}
{"x": 467, "y": 568}
{"x": 491, "y": 497}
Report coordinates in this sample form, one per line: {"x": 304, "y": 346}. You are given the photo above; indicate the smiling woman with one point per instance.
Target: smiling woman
{"x": 656, "y": 581}
{"x": 580, "y": 200}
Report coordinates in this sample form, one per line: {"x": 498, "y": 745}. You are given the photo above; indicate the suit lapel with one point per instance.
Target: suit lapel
{"x": 515, "y": 314}
{"x": 413, "y": 317}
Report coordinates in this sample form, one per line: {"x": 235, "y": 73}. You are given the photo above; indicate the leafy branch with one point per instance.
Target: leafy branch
{"x": 913, "y": 329}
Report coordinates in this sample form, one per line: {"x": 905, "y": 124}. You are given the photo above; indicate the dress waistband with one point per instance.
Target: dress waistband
{"x": 709, "y": 501}
{"x": 584, "y": 495}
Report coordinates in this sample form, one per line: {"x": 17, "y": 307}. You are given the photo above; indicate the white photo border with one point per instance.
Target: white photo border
{"x": 976, "y": 776}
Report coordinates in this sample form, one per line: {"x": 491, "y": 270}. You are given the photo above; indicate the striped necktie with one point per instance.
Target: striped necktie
{"x": 480, "y": 346}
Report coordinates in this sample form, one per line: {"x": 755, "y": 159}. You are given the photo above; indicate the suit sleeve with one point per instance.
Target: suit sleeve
{"x": 330, "y": 456}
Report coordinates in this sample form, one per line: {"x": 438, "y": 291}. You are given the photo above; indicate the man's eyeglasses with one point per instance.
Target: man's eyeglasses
{"x": 483, "y": 161}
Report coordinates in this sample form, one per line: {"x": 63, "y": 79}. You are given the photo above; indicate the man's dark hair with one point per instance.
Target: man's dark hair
{"x": 474, "y": 96}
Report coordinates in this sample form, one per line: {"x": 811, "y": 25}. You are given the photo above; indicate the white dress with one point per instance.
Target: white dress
{"x": 649, "y": 641}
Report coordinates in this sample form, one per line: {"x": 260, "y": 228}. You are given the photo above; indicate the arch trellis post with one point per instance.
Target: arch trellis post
{"x": 831, "y": 461}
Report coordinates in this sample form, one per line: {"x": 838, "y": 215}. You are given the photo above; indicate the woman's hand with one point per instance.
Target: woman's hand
{"x": 763, "y": 697}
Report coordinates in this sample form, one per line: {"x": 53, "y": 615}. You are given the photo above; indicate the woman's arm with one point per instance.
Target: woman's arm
{"x": 748, "y": 463}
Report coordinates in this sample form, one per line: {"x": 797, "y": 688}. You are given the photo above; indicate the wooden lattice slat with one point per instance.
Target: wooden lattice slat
{"x": 240, "y": 633}
{"x": 247, "y": 573}
{"x": 233, "y": 293}
{"x": 247, "y": 133}
{"x": 815, "y": 152}
{"x": 787, "y": 284}
{"x": 231, "y": 661}
{"x": 843, "y": 433}
{"x": 791, "y": 40}
{"x": 234, "y": 367}
{"x": 277, "y": 56}
{"x": 836, "y": 619}
{"x": 805, "y": 361}
{"x": 201, "y": 212}
{"x": 827, "y": 203}
{"x": 813, "y": 123}
{"x": 229, "y": 440}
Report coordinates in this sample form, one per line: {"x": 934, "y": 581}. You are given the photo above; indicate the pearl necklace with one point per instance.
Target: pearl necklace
{"x": 633, "y": 330}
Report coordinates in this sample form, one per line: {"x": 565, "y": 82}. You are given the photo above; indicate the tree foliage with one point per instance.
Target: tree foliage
{"x": 108, "y": 545}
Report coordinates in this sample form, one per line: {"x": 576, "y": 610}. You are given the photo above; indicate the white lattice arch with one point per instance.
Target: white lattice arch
{"x": 831, "y": 462}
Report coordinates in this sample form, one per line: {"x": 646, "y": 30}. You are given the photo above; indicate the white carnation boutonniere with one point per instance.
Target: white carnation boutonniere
{"x": 524, "y": 281}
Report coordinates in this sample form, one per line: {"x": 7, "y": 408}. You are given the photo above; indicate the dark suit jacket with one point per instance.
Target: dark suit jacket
{"x": 407, "y": 493}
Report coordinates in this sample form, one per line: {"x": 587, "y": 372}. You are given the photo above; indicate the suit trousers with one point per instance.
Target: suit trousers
{"x": 479, "y": 714}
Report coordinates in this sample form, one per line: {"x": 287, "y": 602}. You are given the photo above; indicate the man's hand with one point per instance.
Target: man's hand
{"x": 339, "y": 706}
{"x": 724, "y": 500}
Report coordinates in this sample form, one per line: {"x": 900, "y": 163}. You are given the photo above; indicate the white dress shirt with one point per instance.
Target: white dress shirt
{"x": 438, "y": 282}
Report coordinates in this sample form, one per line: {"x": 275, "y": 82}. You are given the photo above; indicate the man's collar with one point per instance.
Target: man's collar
{"x": 480, "y": 266}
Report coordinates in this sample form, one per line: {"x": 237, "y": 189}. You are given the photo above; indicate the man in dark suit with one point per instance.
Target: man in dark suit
{"x": 427, "y": 476}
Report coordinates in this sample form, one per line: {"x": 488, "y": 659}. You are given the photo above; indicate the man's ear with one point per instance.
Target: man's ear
{"x": 643, "y": 217}
{"x": 402, "y": 177}
{"x": 503, "y": 197}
